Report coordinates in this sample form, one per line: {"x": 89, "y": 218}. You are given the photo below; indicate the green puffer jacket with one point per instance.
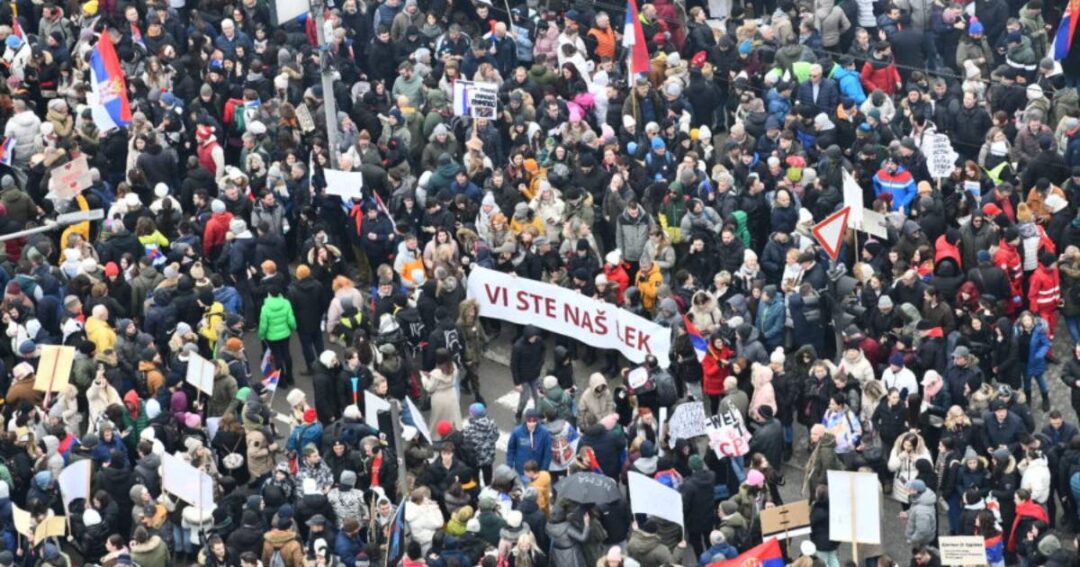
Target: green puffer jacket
{"x": 276, "y": 320}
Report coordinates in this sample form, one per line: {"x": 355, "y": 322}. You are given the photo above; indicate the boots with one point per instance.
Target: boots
{"x": 1046, "y": 401}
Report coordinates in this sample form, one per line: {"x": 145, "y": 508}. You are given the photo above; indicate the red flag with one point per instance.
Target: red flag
{"x": 634, "y": 38}
{"x": 767, "y": 554}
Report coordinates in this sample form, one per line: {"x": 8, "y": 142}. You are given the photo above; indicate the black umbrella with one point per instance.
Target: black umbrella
{"x": 588, "y": 488}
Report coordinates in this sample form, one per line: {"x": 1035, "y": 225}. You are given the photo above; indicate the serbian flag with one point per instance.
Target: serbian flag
{"x": 634, "y": 39}
{"x": 1063, "y": 39}
{"x": 7, "y": 151}
{"x": 396, "y": 541}
{"x": 107, "y": 81}
{"x": 701, "y": 346}
{"x": 765, "y": 555}
{"x": 271, "y": 375}
{"x": 136, "y": 36}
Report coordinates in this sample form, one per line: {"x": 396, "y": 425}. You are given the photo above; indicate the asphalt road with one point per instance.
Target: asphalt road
{"x": 497, "y": 390}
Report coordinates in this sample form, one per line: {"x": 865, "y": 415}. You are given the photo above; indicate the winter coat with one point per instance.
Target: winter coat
{"x": 527, "y": 358}
{"x": 567, "y": 543}
{"x": 697, "y": 495}
{"x": 151, "y": 553}
{"x": 648, "y": 549}
{"x": 832, "y": 22}
{"x": 259, "y": 460}
{"x": 524, "y": 446}
{"x": 593, "y": 405}
{"x": 288, "y": 543}
{"x": 276, "y": 319}
{"x": 921, "y": 526}
{"x": 480, "y": 436}
{"x": 1036, "y": 479}
{"x": 631, "y": 234}
{"x": 819, "y": 527}
{"x": 442, "y": 388}
{"x": 608, "y": 445}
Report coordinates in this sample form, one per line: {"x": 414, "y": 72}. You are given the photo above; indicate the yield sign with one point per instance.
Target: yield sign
{"x": 830, "y": 232}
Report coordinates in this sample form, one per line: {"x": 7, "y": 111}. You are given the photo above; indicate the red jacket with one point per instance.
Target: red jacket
{"x": 713, "y": 370}
{"x": 942, "y": 249}
{"x": 875, "y": 76}
{"x": 1029, "y": 510}
{"x": 1044, "y": 293}
{"x": 214, "y": 233}
{"x": 1008, "y": 258}
{"x": 617, "y": 275}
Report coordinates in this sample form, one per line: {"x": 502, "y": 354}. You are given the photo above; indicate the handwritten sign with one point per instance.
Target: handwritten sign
{"x": 788, "y": 521}
{"x": 54, "y": 368}
{"x": 940, "y": 157}
{"x": 728, "y": 435}
{"x": 687, "y": 421}
{"x": 69, "y": 179}
{"x": 962, "y": 550}
{"x": 344, "y": 184}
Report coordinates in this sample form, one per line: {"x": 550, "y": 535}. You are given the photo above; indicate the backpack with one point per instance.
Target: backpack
{"x": 562, "y": 448}
{"x": 277, "y": 560}
{"x": 740, "y": 538}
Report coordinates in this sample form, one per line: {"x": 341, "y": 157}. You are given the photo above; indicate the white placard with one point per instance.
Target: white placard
{"x": 303, "y": 116}
{"x": 637, "y": 378}
{"x": 940, "y": 157}
{"x": 653, "y": 498}
{"x": 418, "y": 420}
{"x": 372, "y": 406}
{"x": 200, "y": 373}
{"x": 344, "y": 184}
{"x": 853, "y": 197}
{"x": 962, "y": 550}
{"x": 74, "y": 481}
{"x": 477, "y": 100}
{"x": 212, "y": 425}
{"x": 68, "y": 180}
{"x": 854, "y": 507}
{"x": 186, "y": 482}
{"x": 727, "y": 433}
{"x": 566, "y": 312}
{"x": 687, "y": 421}
{"x": 873, "y": 223}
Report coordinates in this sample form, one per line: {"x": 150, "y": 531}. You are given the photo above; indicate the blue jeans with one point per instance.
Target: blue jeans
{"x": 1040, "y": 379}
{"x": 955, "y": 513}
{"x": 830, "y": 558}
{"x": 1073, "y": 323}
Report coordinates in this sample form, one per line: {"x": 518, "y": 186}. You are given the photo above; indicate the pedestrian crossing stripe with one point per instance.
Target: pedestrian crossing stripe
{"x": 510, "y": 400}
{"x": 503, "y": 441}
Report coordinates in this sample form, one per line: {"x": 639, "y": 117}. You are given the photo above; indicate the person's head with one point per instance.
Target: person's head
{"x": 816, "y": 73}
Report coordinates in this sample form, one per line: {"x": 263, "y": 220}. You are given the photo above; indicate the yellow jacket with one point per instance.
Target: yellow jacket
{"x": 101, "y": 334}
{"x": 212, "y": 321}
{"x": 648, "y": 283}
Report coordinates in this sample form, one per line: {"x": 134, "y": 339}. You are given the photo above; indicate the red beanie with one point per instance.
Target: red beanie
{"x": 444, "y": 428}
{"x": 309, "y": 415}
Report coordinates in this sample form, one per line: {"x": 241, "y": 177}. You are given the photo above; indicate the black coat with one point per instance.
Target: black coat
{"x": 769, "y": 441}
{"x": 819, "y": 527}
{"x": 303, "y": 294}
{"x": 527, "y": 358}
{"x": 608, "y": 447}
{"x": 327, "y": 401}
{"x": 697, "y": 496}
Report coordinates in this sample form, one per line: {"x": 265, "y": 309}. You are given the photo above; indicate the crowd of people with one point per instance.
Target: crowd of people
{"x": 684, "y": 190}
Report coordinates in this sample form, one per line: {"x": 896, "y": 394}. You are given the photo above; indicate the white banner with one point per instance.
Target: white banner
{"x": 650, "y": 497}
{"x": 566, "y": 312}
{"x": 727, "y": 433}
{"x": 853, "y": 197}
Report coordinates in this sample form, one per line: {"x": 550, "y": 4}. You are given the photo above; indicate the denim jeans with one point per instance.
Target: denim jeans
{"x": 1073, "y": 323}
{"x": 830, "y": 558}
{"x": 311, "y": 346}
{"x": 1040, "y": 379}
{"x": 530, "y": 389}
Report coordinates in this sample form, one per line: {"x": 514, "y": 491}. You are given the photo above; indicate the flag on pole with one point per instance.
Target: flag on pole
{"x": 395, "y": 548}
{"x": 382, "y": 208}
{"x": 107, "y": 81}
{"x": 634, "y": 39}
{"x": 7, "y": 151}
{"x": 765, "y": 555}
{"x": 1063, "y": 39}
{"x": 701, "y": 346}
{"x": 16, "y": 28}
{"x": 271, "y": 375}
{"x": 136, "y": 35}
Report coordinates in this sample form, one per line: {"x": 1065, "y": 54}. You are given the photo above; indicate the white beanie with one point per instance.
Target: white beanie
{"x": 91, "y": 517}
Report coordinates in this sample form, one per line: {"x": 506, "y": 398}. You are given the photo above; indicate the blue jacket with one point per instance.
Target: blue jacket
{"x": 1038, "y": 347}
{"x": 103, "y": 452}
{"x": 724, "y": 549}
{"x": 229, "y": 298}
{"x": 850, "y": 84}
{"x": 347, "y": 548}
{"x": 828, "y": 96}
{"x": 303, "y": 435}
{"x": 770, "y": 321}
{"x": 524, "y": 446}
{"x": 778, "y": 106}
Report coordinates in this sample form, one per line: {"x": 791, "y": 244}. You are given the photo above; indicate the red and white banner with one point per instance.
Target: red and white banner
{"x": 567, "y": 312}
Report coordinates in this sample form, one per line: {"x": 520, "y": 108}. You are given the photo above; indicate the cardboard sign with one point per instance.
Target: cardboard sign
{"x": 54, "y": 368}
{"x": 476, "y": 100}
{"x": 74, "y": 481}
{"x": 940, "y": 157}
{"x": 200, "y": 373}
{"x": 787, "y": 521}
{"x": 23, "y": 521}
{"x": 566, "y": 312}
{"x": 303, "y": 116}
{"x": 687, "y": 421}
{"x": 186, "y": 482}
{"x": 854, "y": 507}
{"x": 345, "y": 184}
{"x": 637, "y": 378}
{"x": 853, "y": 198}
{"x": 53, "y": 526}
{"x": 651, "y": 497}
{"x": 962, "y": 550}
{"x": 727, "y": 433}
{"x": 69, "y": 179}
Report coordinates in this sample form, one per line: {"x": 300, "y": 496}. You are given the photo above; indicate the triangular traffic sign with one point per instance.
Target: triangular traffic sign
{"x": 830, "y": 232}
